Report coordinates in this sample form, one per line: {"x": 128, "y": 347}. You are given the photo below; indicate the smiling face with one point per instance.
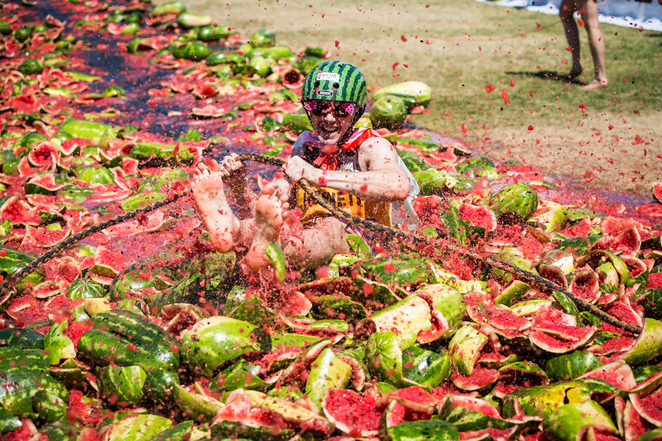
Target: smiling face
{"x": 329, "y": 127}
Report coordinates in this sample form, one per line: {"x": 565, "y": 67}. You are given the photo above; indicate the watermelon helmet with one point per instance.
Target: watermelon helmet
{"x": 336, "y": 81}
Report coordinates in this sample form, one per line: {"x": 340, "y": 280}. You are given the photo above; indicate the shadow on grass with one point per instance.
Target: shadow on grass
{"x": 549, "y": 75}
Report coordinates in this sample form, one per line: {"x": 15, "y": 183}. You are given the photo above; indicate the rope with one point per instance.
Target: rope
{"x": 582, "y": 304}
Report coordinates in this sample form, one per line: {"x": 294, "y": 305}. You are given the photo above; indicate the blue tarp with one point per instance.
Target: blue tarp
{"x": 630, "y": 13}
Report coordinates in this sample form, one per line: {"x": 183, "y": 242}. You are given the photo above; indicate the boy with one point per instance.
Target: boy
{"x": 357, "y": 168}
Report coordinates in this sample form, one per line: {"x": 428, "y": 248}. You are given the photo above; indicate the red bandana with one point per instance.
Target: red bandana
{"x": 329, "y": 161}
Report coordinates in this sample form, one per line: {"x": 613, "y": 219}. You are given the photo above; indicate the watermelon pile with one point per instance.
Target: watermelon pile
{"x": 142, "y": 332}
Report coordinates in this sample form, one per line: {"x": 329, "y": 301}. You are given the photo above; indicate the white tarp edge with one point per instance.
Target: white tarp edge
{"x": 630, "y": 13}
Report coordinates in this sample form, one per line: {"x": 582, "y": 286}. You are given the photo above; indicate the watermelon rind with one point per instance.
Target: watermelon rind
{"x": 427, "y": 368}
{"x": 336, "y": 407}
{"x": 570, "y": 366}
{"x": 512, "y": 293}
{"x": 123, "y": 382}
{"x": 215, "y": 340}
{"x": 409, "y": 316}
{"x": 656, "y": 191}
{"x": 137, "y": 426}
{"x": 99, "y": 133}
{"x": 57, "y": 345}
{"x": 328, "y": 371}
{"x": 94, "y": 174}
{"x": 85, "y": 289}
{"x": 571, "y": 421}
{"x": 412, "y": 93}
{"x": 465, "y": 347}
{"x": 648, "y": 345}
{"x": 290, "y": 412}
{"x": 448, "y": 309}
{"x": 388, "y": 111}
{"x": 516, "y": 201}
{"x": 383, "y": 348}
{"x": 423, "y": 431}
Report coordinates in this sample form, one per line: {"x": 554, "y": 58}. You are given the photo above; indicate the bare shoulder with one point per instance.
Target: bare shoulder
{"x": 376, "y": 154}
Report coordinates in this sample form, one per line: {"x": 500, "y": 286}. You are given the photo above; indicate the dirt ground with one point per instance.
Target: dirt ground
{"x": 597, "y": 151}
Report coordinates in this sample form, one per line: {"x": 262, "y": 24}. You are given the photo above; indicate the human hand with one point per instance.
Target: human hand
{"x": 232, "y": 170}
{"x": 296, "y": 168}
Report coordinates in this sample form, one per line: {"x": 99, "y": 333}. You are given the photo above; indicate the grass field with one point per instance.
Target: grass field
{"x": 460, "y": 46}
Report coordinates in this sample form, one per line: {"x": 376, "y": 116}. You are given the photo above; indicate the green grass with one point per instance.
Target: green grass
{"x": 460, "y": 46}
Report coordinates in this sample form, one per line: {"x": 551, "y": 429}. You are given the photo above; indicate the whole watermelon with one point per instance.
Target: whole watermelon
{"x": 389, "y": 112}
{"x": 85, "y": 289}
{"x": 516, "y": 201}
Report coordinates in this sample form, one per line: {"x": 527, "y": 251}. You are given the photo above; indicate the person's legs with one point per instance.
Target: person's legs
{"x": 566, "y": 11}
{"x": 596, "y": 43}
{"x": 225, "y": 230}
{"x": 307, "y": 248}
{"x": 313, "y": 247}
{"x": 270, "y": 211}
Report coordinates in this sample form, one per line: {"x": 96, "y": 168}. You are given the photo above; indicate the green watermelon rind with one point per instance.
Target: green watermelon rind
{"x": 515, "y": 200}
{"x": 656, "y": 191}
{"x": 85, "y": 289}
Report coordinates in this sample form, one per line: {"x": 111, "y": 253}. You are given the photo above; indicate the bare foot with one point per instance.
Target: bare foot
{"x": 213, "y": 208}
{"x": 575, "y": 71}
{"x": 596, "y": 84}
{"x": 270, "y": 213}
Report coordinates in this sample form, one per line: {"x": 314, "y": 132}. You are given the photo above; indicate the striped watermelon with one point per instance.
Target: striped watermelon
{"x": 514, "y": 202}
{"x": 85, "y": 289}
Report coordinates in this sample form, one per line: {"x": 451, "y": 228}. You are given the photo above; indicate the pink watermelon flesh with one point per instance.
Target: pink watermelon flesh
{"x": 416, "y": 394}
{"x": 614, "y": 346}
{"x": 130, "y": 165}
{"x": 617, "y": 374}
{"x": 650, "y": 407}
{"x": 396, "y": 414}
{"x": 476, "y": 405}
{"x": 103, "y": 256}
{"x": 547, "y": 314}
{"x": 43, "y": 154}
{"x": 482, "y": 311}
{"x": 480, "y": 378}
{"x": 19, "y": 212}
{"x": 614, "y": 226}
{"x": 629, "y": 241}
{"x": 554, "y": 274}
{"x": 635, "y": 425}
{"x": 25, "y": 169}
{"x": 351, "y": 412}
{"x": 656, "y": 189}
{"x": 635, "y": 265}
{"x": 45, "y": 238}
{"x": 47, "y": 181}
{"x": 479, "y": 216}
{"x": 586, "y": 285}
{"x": 624, "y": 312}
{"x": 582, "y": 228}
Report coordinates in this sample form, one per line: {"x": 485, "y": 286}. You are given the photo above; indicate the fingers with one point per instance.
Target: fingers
{"x": 211, "y": 164}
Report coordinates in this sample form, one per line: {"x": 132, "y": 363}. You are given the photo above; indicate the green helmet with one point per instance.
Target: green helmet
{"x": 336, "y": 81}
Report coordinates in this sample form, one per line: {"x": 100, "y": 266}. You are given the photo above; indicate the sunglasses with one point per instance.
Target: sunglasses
{"x": 321, "y": 107}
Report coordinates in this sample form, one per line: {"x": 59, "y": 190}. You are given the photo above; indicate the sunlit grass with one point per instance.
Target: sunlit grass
{"x": 460, "y": 46}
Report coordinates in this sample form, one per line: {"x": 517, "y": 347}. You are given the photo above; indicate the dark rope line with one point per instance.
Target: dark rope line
{"x": 364, "y": 223}
{"x": 495, "y": 263}
{"x": 43, "y": 258}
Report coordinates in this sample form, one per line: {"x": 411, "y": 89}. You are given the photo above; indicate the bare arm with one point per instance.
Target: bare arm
{"x": 384, "y": 179}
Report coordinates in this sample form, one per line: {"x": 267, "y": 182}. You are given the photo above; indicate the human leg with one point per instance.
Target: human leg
{"x": 270, "y": 211}
{"x": 313, "y": 247}
{"x": 596, "y": 43}
{"x": 225, "y": 230}
{"x": 566, "y": 11}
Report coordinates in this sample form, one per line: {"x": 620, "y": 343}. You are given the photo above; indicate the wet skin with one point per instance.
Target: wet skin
{"x": 383, "y": 180}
